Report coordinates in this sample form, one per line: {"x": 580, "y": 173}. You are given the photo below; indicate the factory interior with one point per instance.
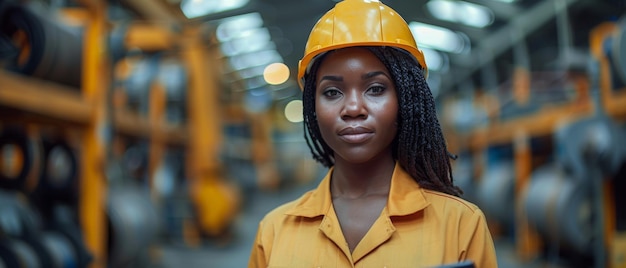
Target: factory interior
{"x": 158, "y": 133}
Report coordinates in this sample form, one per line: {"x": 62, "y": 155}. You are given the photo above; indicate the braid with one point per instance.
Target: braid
{"x": 319, "y": 149}
{"x": 419, "y": 147}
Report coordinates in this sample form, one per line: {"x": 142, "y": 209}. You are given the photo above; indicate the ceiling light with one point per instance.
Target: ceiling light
{"x": 443, "y": 39}
{"x": 461, "y": 12}
{"x": 254, "y": 59}
{"x": 251, "y": 72}
{"x": 233, "y": 27}
{"x": 249, "y": 41}
{"x": 198, "y": 8}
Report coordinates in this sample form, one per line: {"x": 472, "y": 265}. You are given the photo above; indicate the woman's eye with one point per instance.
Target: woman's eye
{"x": 376, "y": 89}
{"x": 331, "y": 93}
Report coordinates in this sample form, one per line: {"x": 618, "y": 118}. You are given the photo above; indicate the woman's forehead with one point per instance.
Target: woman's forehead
{"x": 353, "y": 56}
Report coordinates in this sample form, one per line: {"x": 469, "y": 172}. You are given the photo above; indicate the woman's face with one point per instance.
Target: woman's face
{"x": 356, "y": 105}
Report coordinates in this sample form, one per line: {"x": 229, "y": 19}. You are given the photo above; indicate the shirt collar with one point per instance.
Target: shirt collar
{"x": 405, "y": 197}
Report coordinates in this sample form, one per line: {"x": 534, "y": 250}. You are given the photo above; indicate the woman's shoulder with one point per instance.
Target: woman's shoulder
{"x": 280, "y": 212}
{"x": 440, "y": 200}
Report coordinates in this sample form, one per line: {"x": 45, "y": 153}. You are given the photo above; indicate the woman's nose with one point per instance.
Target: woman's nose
{"x": 354, "y": 106}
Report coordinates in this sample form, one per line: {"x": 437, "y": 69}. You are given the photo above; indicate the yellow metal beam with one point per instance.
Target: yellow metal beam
{"x": 134, "y": 125}
{"x": 93, "y": 184}
{"x": 150, "y": 36}
{"x": 157, "y": 140}
{"x": 541, "y": 123}
{"x": 216, "y": 201}
{"x": 528, "y": 241}
{"x": 43, "y": 98}
{"x": 205, "y": 131}
{"x": 153, "y": 10}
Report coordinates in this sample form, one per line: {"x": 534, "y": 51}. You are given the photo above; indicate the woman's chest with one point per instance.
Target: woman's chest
{"x": 321, "y": 244}
{"x": 357, "y": 216}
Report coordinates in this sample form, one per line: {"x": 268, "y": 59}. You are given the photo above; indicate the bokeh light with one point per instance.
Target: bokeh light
{"x": 276, "y": 73}
{"x": 293, "y": 111}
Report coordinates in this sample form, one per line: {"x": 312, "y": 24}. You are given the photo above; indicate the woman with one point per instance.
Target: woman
{"x": 388, "y": 199}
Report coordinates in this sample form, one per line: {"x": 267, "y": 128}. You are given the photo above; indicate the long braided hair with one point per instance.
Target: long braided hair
{"x": 419, "y": 146}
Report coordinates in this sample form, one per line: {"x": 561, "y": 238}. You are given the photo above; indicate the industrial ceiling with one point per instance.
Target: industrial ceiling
{"x": 541, "y": 35}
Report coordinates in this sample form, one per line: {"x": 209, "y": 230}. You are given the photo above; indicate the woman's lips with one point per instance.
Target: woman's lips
{"x": 355, "y": 134}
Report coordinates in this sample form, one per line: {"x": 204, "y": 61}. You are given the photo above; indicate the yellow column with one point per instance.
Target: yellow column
{"x": 263, "y": 151}
{"x": 597, "y": 36}
{"x": 157, "y": 139}
{"x": 215, "y": 200}
{"x": 92, "y": 184}
{"x": 528, "y": 240}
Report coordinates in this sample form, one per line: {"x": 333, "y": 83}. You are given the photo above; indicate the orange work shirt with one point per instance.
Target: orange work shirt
{"x": 417, "y": 228}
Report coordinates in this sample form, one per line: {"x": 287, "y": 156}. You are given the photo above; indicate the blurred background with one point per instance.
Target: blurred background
{"x": 157, "y": 133}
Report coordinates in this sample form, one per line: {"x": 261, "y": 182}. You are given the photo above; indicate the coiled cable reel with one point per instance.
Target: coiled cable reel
{"x": 560, "y": 208}
{"x": 49, "y": 48}
{"x": 20, "y": 159}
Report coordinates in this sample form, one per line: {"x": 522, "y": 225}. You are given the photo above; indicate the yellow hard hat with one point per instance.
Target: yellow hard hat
{"x": 358, "y": 23}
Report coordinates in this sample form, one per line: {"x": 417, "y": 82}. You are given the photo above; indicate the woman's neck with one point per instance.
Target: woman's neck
{"x": 350, "y": 180}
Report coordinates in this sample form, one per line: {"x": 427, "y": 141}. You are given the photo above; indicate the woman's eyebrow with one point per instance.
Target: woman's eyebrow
{"x": 372, "y": 74}
{"x": 365, "y": 76}
{"x": 332, "y": 78}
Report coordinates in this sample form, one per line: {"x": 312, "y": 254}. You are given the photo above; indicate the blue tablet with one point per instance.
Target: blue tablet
{"x": 463, "y": 264}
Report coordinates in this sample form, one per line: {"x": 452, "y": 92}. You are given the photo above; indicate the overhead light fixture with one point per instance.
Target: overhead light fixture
{"x": 461, "y": 12}
{"x": 197, "y": 8}
{"x": 439, "y": 38}
{"x": 251, "y": 72}
{"x": 249, "y": 41}
{"x": 235, "y": 26}
{"x": 254, "y": 59}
